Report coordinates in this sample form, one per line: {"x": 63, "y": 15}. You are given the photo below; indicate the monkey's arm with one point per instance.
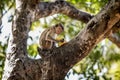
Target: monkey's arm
{"x": 54, "y": 40}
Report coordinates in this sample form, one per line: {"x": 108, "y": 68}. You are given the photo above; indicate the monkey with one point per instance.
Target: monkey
{"x": 47, "y": 39}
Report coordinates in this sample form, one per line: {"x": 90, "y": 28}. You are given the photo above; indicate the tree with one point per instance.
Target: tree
{"x": 55, "y": 63}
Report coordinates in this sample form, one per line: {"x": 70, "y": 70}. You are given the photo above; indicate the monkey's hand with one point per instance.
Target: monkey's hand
{"x": 62, "y": 40}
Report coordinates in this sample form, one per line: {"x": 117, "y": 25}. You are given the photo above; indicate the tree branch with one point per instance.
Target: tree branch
{"x": 115, "y": 38}
{"x": 44, "y": 9}
{"x": 70, "y": 53}
{"x": 60, "y": 59}
{"x": 67, "y": 9}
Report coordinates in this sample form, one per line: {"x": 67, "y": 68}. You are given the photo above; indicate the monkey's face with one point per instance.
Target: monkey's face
{"x": 58, "y": 30}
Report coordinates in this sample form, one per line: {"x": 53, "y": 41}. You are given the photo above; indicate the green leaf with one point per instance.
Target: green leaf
{"x": 35, "y": 25}
{"x": 32, "y": 50}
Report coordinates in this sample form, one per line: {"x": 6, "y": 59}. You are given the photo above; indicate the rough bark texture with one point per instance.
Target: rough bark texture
{"x": 67, "y": 9}
{"x": 55, "y": 63}
{"x": 60, "y": 7}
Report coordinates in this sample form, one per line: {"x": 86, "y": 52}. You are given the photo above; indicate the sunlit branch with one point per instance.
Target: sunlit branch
{"x": 44, "y": 9}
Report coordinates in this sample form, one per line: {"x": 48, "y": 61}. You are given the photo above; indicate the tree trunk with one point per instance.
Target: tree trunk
{"x": 56, "y": 62}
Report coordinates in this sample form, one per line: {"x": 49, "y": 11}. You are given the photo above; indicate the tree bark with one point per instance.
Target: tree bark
{"x": 67, "y": 9}
{"x": 56, "y": 62}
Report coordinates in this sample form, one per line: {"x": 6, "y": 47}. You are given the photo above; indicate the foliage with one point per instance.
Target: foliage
{"x": 98, "y": 65}
{"x": 2, "y": 57}
{"x": 103, "y": 61}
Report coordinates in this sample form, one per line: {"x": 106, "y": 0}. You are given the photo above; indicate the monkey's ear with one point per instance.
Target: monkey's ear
{"x": 61, "y": 25}
{"x": 56, "y": 25}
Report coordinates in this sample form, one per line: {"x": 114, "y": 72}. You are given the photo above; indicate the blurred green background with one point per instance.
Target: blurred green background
{"x": 103, "y": 62}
